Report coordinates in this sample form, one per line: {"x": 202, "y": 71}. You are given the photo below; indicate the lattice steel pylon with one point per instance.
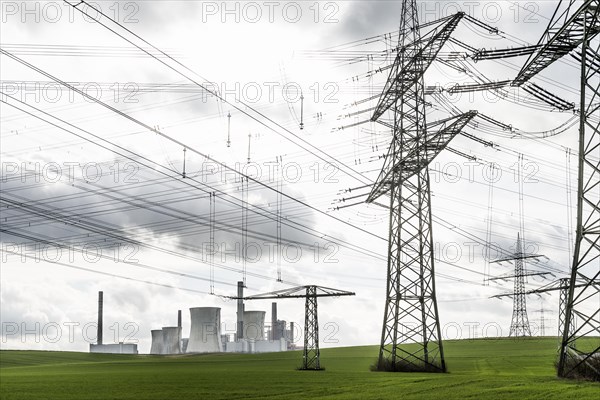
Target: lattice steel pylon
{"x": 411, "y": 314}
{"x": 519, "y": 324}
{"x": 583, "y": 305}
{"x": 542, "y": 322}
{"x": 562, "y": 287}
{"x": 581, "y": 27}
{"x": 311, "y": 356}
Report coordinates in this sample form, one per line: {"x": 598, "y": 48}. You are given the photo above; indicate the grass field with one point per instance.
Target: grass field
{"x": 478, "y": 369}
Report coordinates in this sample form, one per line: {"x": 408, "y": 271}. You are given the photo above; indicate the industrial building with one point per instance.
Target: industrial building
{"x": 113, "y": 348}
{"x": 206, "y": 337}
{"x": 252, "y": 335}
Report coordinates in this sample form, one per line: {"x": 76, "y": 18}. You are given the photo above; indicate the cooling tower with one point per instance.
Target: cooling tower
{"x": 254, "y": 325}
{"x": 171, "y": 340}
{"x": 205, "y": 332}
{"x": 157, "y": 342}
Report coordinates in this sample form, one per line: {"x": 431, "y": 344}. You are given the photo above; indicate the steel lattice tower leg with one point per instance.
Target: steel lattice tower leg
{"x": 310, "y": 358}
{"x": 562, "y": 308}
{"x": 411, "y": 315}
{"x": 582, "y": 315}
{"x": 562, "y": 305}
{"x": 519, "y": 325}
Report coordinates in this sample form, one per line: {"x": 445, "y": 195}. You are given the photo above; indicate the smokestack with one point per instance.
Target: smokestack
{"x": 240, "y": 311}
{"x": 179, "y": 318}
{"x": 274, "y": 327}
{"x": 100, "y": 301}
{"x": 291, "y": 332}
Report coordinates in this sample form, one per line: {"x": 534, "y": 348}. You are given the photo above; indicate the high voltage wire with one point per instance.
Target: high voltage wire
{"x": 183, "y": 181}
{"x": 116, "y": 275}
{"x": 192, "y": 149}
{"x": 41, "y": 239}
{"x": 161, "y": 52}
{"x": 72, "y": 50}
{"x": 442, "y": 172}
{"x": 246, "y": 106}
{"x": 111, "y": 232}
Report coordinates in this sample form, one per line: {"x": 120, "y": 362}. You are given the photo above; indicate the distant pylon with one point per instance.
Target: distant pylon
{"x": 519, "y": 325}
{"x": 542, "y": 331}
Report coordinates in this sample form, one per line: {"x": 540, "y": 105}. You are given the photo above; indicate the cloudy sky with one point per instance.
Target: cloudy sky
{"x": 122, "y": 130}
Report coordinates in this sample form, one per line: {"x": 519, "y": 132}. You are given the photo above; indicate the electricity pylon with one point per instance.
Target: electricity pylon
{"x": 542, "y": 326}
{"x": 562, "y": 287}
{"x": 311, "y": 356}
{"x": 519, "y": 325}
{"x": 411, "y": 314}
{"x": 580, "y": 29}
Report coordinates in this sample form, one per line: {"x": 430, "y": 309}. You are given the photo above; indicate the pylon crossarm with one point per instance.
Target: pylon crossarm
{"x": 524, "y": 274}
{"x": 403, "y": 76}
{"x": 297, "y": 293}
{"x": 566, "y": 38}
{"x": 520, "y": 256}
{"x": 412, "y": 162}
{"x": 551, "y": 287}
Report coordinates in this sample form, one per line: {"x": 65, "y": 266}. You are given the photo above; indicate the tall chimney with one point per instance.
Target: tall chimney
{"x": 274, "y": 327}
{"x": 100, "y": 301}
{"x": 179, "y": 318}
{"x": 240, "y": 311}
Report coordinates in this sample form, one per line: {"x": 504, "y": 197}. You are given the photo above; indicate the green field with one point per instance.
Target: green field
{"x": 478, "y": 369}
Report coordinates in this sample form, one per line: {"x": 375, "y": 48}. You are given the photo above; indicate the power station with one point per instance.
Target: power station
{"x": 205, "y": 334}
{"x": 410, "y": 338}
{"x": 253, "y": 335}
